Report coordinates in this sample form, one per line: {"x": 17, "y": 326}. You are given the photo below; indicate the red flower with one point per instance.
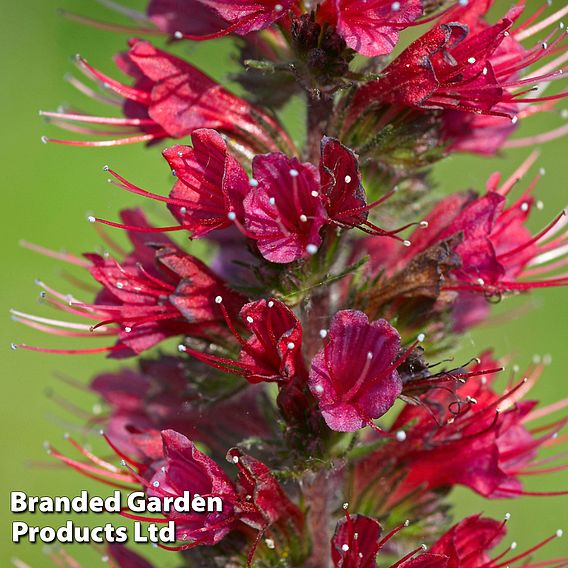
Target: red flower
{"x": 171, "y": 99}
{"x": 142, "y": 302}
{"x": 356, "y": 544}
{"x": 467, "y": 543}
{"x": 185, "y": 468}
{"x": 211, "y": 183}
{"x": 468, "y": 66}
{"x": 354, "y": 377}
{"x": 498, "y": 253}
{"x": 209, "y": 19}
{"x": 284, "y": 212}
{"x": 273, "y": 352}
{"x": 370, "y": 28}
{"x": 481, "y": 437}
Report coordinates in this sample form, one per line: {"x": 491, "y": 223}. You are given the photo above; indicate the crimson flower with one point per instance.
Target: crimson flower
{"x": 185, "y": 468}
{"x": 497, "y": 251}
{"x": 481, "y": 437}
{"x": 284, "y": 207}
{"x": 170, "y": 98}
{"x": 354, "y": 377}
{"x": 150, "y": 296}
{"x": 370, "y": 28}
{"x": 357, "y": 542}
{"x": 209, "y": 19}
{"x": 272, "y": 353}
{"x": 464, "y": 65}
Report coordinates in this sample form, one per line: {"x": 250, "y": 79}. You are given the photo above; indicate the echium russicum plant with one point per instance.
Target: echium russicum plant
{"x": 311, "y": 388}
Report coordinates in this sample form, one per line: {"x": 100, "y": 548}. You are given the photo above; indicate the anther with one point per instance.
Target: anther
{"x": 323, "y": 333}
{"x": 291, "y": 345}
{"x": 348, "y": 178}
{"x": 269, "y": 543}
{"x": 44, "y": 139}
{"x": 424, "y": 224}
{"x": 156, "y": 484}
{"x": 182, "y": 348}
{"x": 270, "y": 304}
{"x": 235, "y": 459}
{"x": 345, "y": 547}
{"x": 311, "y": 249}
{"x": 91, "y": 219}
{"x": 471, "y": 60}
{"x": 421, "y": 337}
{"x": 315, "y": 193}
{"x": 249, "y": 319}
{"x": 272, "y": 201}
{"x": 231, "y": 215}
{"x": 406, "y": 243}
{"x": 559, "y": 533}
{"x": 218, "y": 299}
{"x": 303, "y": 218}
{"x": 13, "y": 346}
{"x": 278, "y": 7}
{"x": 178, "y": 35}
{"x": 401, "y": 435}
{"x": 294, "y": 173}
{"x": 345, "y": 506}
{"x": 253, "y": 182}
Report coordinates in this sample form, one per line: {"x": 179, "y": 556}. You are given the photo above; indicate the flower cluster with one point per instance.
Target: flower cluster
{"x": 308, "y": 382}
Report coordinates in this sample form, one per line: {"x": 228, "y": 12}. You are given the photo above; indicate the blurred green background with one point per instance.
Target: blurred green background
{"x": 51, "y": 189}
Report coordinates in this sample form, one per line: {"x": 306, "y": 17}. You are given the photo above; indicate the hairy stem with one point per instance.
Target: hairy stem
{"x": 320, "y": 109}
{"x": 319, "y": 498}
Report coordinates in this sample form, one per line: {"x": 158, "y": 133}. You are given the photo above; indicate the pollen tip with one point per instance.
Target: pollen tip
{"x": 421, "y": 337}
{"x": 14, "y": 346}
{"x": 218, "y": 299}
{"x": 104, "y": 558}
{"x": 406, "y": 243}
{"x": 66, "y": 436}
{"x": 423, "y": 547}
{"x": 178, "y": 35}
{"x": 182, "y": 348}
{"x": 311, "y": 249}
{"x": 345, "y": 547}
{"x": 401, "y": 435}
{"x": 105, "y": 168}
{"x": 323, "y": 333}
{"x": 345, "y": 506}
{"x": 231, "y": 215}
{"x": 424, "y": 224}
{"x": 507, "y": 516}
{"x": 559, "y": 533}
{"x": 513, "y": 545}
{"x": 91, "y": 219}
{"x": 406, "y": 523}
{"x": 101, "y": 432}
{"x": 44, "y": 139}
